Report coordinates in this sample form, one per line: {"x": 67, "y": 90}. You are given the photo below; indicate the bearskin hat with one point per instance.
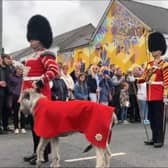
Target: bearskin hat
{"x": 38, "y": 28}
{"x": 156, "y": 41}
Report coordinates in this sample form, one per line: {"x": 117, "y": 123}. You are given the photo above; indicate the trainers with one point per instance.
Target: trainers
{"x": 158, "y": 145}
{"x": 16, "y": 131}
{"x": 148, "y": 122}
{"x": 33, "y": 161}
{"x": 125, "y": 122}
{"x": 149, "y": 142}
{"x": 23, "y": 131}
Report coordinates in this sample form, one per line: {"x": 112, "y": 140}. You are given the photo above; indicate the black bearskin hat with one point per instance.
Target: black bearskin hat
{"x": 156, "y": 41}
{"x": 38, "y": 28}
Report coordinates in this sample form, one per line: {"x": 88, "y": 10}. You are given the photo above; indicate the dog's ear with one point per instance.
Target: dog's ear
{"x": 26, "y": 95}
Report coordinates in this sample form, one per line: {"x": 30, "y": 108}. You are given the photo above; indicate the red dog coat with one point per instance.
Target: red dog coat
{"x": 52, "y": 118}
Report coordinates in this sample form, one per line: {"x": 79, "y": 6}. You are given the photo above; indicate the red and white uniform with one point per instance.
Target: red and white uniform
{"x": 42, "y": 67}
{"x": 156, "y": 77}
{"x": 52, "y": 118}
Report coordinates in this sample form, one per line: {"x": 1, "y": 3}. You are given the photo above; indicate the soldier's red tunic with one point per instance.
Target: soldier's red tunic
{"x": 42, "y": 66}
{"x": 53, "y": 118}
{"x": 156, "y": 77}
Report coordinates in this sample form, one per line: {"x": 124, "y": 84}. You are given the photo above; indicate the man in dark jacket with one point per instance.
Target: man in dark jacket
{"x": 4, "y": 73}
{"x": 59, "y": 89}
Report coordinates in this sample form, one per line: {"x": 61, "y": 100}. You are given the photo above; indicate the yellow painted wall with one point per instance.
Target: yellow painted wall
{"x": 120, "y": 40}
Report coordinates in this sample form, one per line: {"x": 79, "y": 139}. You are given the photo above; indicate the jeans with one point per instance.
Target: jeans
{"x": 143, "y": 107}
{"x": 124, "y": 113}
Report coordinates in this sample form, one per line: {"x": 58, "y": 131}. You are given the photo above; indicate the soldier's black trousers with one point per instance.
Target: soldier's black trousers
{"x": 156, "y": 120}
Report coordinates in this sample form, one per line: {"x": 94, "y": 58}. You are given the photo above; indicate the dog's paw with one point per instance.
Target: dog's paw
{"x": 55, "y": 165}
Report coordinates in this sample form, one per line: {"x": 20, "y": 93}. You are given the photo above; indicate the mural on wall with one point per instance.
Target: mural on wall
{"x": 66, "y": 58}
{"x": 120, "y": 40}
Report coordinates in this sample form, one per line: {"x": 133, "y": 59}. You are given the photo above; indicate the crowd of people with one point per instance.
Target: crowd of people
{"x": 102, "y": 84}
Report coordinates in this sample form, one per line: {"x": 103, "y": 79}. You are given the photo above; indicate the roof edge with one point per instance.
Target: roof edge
{"x": 102, "y": 19}
{"x": 141, "y": 21}
{"x": 72, "y": 48}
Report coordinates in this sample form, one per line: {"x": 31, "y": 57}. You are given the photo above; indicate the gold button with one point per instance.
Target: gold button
{"x": 98, "y": 137}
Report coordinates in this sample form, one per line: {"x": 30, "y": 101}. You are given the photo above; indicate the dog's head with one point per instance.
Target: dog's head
{"x": 28, "y": 99}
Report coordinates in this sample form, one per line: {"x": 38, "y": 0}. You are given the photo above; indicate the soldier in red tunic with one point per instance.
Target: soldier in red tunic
{"x": 41, "y": 68}
{"x": 156, "y": 77}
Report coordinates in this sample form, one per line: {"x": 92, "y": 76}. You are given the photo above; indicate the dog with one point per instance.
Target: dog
{"x": 30, "y": 104}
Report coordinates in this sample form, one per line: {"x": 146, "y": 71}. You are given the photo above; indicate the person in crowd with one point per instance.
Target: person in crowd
{"x": 3, "y": 85}
{"x": 11, "y": 68}
{"x": 81, "y": 89}
{"x": 141, "y": 96}
{"x": 75, "y": 73}
{"x": 88, "y": 70}
{"x": 117, "y": 79}
{"x": 112, "y": 70}
{"x": 82, "y": 65}
{"x": 105, "y": 86}
{"x": 134, "y": 108}
{"x": 93, "y": 83}
{"x": 59, "y": 90}
{"x": 60, "y": 65}
{"x": 156, "y": 77}
{"x": 41, "y": 69}
{"x": 68, "y": 81}
{"x": 15, "y": 80}
{"x": 124, "y": 102}
{"x": 5, "y": 71}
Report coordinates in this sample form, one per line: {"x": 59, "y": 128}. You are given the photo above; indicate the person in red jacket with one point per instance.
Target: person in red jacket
{"x": 41, "y": 68}
{"x": 156, "y": 76}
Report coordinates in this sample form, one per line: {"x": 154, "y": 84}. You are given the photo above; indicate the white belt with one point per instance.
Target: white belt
{"x": 31, "y": 78}
{"x": 155, "y": 83}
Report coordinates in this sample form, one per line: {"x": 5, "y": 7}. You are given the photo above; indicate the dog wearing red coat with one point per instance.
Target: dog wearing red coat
{"x": 53, "y": 119}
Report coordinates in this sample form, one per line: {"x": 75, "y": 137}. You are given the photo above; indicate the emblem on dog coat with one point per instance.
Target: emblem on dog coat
{"x": 53, "y": 118}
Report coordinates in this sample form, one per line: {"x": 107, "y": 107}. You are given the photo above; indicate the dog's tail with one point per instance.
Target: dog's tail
{"x": 88, "y": 148}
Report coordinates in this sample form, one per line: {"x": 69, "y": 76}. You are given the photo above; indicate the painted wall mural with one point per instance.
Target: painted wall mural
{"x": 120, "y": 40}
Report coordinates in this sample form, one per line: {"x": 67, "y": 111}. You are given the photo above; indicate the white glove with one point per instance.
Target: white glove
{"x": 165, "y": 100}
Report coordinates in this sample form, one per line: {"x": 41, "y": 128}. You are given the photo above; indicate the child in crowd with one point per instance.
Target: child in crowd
{"x": 124, "y": 102}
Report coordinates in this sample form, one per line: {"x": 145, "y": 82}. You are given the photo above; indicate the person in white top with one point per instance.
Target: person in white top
{"x": 141, "y": 96}
{"x": 68, "y": 81}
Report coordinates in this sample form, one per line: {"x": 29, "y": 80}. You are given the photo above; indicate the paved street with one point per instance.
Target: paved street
{"x": 127, "y": 148}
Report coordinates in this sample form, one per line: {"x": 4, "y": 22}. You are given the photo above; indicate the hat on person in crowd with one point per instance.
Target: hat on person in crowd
{"x": 156, "y": 41}
{"x": 38, "y": 28}
{"x": 18, "y": 65}
{"x": 106, "y": 72}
